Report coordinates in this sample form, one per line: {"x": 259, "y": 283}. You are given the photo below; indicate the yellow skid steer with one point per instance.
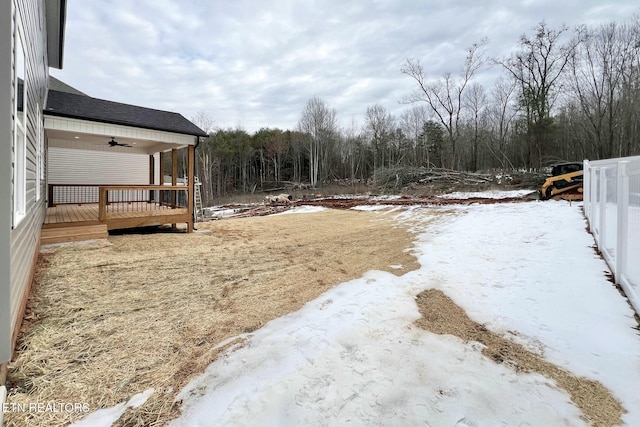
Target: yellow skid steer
{"x": 565, "y": 182}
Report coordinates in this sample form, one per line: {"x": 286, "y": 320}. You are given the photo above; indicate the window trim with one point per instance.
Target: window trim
{"x": 20, "y": 128}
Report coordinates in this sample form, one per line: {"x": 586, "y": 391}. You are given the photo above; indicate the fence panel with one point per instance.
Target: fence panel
{"x": 612, "y": 208}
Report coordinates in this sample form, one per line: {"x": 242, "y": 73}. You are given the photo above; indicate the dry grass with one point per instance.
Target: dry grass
{"x": 441, "y": 315}
{"x": 108, "y": 321}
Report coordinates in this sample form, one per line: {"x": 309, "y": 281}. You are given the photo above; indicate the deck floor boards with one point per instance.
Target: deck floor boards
{"x": 69, "y": 214}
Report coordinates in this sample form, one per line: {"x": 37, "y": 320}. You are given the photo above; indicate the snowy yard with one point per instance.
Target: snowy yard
{"x": 355, "y": 356}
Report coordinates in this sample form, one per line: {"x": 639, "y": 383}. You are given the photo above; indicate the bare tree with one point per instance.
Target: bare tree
{"x": 444, "y": 96}
{"x": 378, "y": 128}
{"x": 319, "y": 123}
{"x": 277, "y": 147}
{"x": 537, "y": 67}
{"x": 629, "y": 128}
{"x": 597, "y": 72}
{"x": 412, "y": 123}
{"x": 502, "y": 113}
{"x": 353, "y": 152}
{"x": 205, "y": 158}
{"x": 475, "y": 100}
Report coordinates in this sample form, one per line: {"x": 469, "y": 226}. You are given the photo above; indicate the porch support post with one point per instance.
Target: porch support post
{"x": 162, "y": 155}
{"x": 102, "y": 204}
{"x": 174, "y": 175}
{"x": 161, "y": 199}
{"x": 50, "y": 195}
{"x": 191, "y": 182}
{"x": 151, "y": 176}
{"x": 174, "y": 178}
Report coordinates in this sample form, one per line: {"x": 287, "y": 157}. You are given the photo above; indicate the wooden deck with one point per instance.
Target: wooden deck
{"x": 68, "y": 215}
{"x": 65, "y": 214}
{"x": 68, "y": 223}
{"x": 78, "y": 210}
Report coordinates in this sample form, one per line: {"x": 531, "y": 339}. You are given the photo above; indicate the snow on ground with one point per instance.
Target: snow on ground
{"x": 490, "y": 194}
{"x": 529, "y": 268}
{"x": 526, "y": 271}
{"x": 106, "y": 417}
{"x": 303, "y": 209}
{"x": 354, "y": 356}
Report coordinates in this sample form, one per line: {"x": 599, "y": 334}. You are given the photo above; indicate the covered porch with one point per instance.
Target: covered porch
{"x": 104, "y": 177}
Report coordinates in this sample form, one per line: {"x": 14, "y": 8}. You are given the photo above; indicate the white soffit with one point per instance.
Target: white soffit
{"x": 91, "y": 133}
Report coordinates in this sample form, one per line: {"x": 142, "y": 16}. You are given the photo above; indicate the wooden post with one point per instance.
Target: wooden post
{"x": 151, "y": 170}
{"x": 174, "y": 175}
{"x": 152, "y": 176}
{"x": 162, "y": 155}
{"x": 191, "y": 182}
{"x": 174, "y": 178}
{"x": 50, "y": 196}
{"x": 102, "y": 205}
{"x": 160, "y": 195}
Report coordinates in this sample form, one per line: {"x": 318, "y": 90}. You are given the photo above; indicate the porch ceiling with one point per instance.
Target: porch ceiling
{"x": 87, "y": 141}
{"x": 82, "y": 134}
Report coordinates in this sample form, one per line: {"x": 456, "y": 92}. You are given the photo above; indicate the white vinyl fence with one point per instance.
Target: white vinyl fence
{"x": 612, "y": 207}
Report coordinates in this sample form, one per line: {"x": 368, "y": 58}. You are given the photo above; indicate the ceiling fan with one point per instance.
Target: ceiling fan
{"x": 114, "y": 143}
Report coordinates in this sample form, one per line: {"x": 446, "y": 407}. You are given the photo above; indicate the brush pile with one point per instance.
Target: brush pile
{"x": 403, "y": 176}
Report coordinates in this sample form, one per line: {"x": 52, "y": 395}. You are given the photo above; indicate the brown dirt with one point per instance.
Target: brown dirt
{"x": 441, "y": 315}
{"x": 347, "y": 203}
{"x": 108, "y": 321}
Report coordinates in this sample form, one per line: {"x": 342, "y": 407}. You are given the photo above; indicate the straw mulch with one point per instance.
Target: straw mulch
{"x": 105, "y": 322}
{"x": 441, "y": 315}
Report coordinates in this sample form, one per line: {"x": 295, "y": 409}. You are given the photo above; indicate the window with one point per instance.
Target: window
{"x": 19, "y": 133}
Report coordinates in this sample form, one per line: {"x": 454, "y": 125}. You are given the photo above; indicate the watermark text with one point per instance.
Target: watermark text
{"x": 42, "y": 407}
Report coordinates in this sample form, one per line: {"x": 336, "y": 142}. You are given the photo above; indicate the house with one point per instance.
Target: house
{"x": 31, "y": 39}
{"x": 70, "y": 163}
{"x": 106, "y": 161}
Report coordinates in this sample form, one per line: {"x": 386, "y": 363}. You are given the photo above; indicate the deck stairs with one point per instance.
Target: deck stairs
{"x": 73, "y": 233}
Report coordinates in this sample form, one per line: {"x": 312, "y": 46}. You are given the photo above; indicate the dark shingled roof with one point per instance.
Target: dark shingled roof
{"x": 65, "y": 104}
{"x": 55, "y": 84}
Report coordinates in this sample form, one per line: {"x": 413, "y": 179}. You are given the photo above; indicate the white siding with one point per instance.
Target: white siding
{"x": 24, "y": 238}
{"x": 6, "y": 124}
{"x": 74, "y": 166}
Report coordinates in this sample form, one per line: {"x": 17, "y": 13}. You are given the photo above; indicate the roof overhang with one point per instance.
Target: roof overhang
{"x": 55, "y": 16}
{"x": 87, "y": 135}
{"x": 82, "y": 107}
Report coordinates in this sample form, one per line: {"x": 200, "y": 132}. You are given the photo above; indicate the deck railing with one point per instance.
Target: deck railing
{"x": 72, "y": 194}
{"x": 122, "y": 199}
{"x": 612, "y": 208}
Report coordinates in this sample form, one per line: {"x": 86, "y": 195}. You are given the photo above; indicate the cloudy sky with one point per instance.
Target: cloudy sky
{"x": 254, "y": 64}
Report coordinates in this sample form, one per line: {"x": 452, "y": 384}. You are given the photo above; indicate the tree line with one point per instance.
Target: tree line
{"x": 561, "y": 95}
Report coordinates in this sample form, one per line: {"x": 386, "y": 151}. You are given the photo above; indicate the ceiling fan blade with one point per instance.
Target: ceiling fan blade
{"x": 114, "y": 143}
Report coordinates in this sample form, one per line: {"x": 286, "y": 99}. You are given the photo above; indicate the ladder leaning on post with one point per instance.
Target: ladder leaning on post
{"x": 197, "y": 209}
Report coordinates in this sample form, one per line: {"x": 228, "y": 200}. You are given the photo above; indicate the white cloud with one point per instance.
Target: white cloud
{"x": 258, "y": 63}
